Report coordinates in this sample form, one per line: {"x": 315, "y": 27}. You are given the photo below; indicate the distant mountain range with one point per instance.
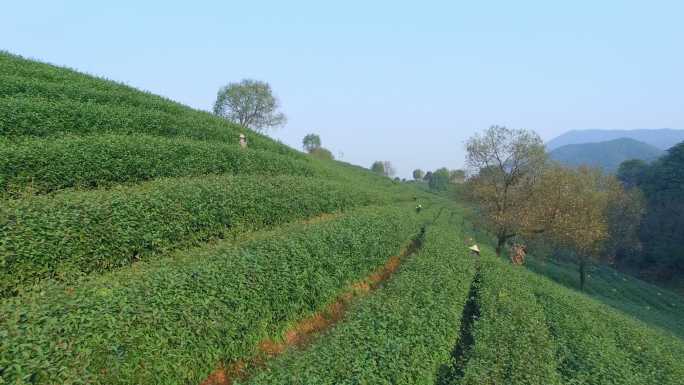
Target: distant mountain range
{"x": 607, "y": 155}
{"x": 663, "y": 138}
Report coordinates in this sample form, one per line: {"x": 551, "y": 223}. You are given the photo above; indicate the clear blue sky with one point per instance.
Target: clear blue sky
{"x": 384, "y": 80}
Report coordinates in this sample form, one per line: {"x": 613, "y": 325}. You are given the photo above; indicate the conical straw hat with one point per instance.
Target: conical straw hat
{"x": 474, "y": 248}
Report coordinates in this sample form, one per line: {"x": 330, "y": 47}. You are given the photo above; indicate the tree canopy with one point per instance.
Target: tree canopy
{"x": 439, "y": 179}
{"x": 506, "y": 163}
{"x": 311, "y": 142}
{"x": 661, "y": 256}
{"x": 418, "y": 174}
{"x": 521, "y": 194}
{"x": 249, "y": 103}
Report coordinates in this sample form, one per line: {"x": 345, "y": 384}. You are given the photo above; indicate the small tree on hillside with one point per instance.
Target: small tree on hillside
{"x": 249, "y": 103}
{"x": 378, "y": 167}
{"x": 418, "y": 174}
{"x": 311, "y": 142}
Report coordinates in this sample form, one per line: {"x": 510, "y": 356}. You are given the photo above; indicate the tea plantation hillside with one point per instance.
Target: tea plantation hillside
{"x": 139, "y": 244}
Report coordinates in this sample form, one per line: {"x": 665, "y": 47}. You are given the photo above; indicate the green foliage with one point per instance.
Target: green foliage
{"x": 45, "y": 165}
{"x": 249, "y": 103}
{"x": 171, "y": 321}
{"x": 599, "y": 345}
{"x": 649, "y": 303}
{"x": 632, "y": 172}
{"x": 400, "y": 334}
{"x": 311, "y": 142}
{"x": 73, "y": 233}
{"x": 439, "y": 180}
{"x": 512, "y": 343}
{"x": 418, "y": 174}
{"x": 378, "y": 167}
{"x": 322, "y": 153}
{"x": 661, "y": 235}
{"x": 38, "y": 116}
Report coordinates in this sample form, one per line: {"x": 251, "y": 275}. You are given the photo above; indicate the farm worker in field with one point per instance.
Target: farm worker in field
{"x": 474, "y": 250}
{"x": 418, "y": 208}
{"x": 243, "y": 141}
{"x": 517, "y": 254}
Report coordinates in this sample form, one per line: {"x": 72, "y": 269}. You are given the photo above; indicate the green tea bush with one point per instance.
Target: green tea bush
{"x": 512, "y": 343}
{"x": 401, "y": 334}
{"x": 600, "y": 345}
{"x": 73, "y": 233}
{"x": 45, "y": 165}
{"x": 172, "y": 321}
{"x": 82, "y": 88}
{"x": 38, "y": 116}
{"x": 644, "y": 301}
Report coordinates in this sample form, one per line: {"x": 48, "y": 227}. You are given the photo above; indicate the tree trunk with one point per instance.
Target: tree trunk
{"x": 501, "y": 241}
{"x": 582, "y": 273}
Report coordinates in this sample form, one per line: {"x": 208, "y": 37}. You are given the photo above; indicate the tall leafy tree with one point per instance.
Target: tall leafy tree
{"x": 249, "y": 103}
{"x": 506, "y": 163}
{"x": 418, "y": 174}
{"x": 570, "y": 208}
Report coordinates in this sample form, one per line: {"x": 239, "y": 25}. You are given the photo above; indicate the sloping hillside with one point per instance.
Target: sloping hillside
{"x": 662, "y": 138}
{"x": 606, "y": 155}
{"x": 140, "y": 245}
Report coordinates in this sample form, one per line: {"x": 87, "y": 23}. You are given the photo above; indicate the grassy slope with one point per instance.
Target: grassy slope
{"x": 649, "y": 303}
{"x": 77, "y": 150}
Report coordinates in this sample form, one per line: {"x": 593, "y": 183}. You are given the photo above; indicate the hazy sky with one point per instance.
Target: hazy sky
{"x": 384, "y": 80}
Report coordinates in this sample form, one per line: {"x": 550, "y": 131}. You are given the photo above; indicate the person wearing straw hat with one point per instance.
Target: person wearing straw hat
{"x": 243, "y": 141}
{"x": 474, "y": 250}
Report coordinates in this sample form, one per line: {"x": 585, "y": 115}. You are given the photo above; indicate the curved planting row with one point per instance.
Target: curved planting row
{"x": 171, "y": 321}
{"x": 43, "y": 165}
{"x": 401, "y": 334}
{"x": 79, "y": 87}
{"x": 511, "y": 343}
{"x": 74, "y": 233}
{"x": 604, "y": 346}
{"x": 39, "y": 116}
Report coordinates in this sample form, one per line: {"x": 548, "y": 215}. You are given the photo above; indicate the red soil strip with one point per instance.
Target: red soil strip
{"x": 304, "y": 331}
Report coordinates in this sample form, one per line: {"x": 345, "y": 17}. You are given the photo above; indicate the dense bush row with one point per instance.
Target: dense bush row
{"x": 38, "y": 116}
{"x": 172, "y": 321}
{"x": 14, "y": 66}
{"x": 599, "y": 345}
{"x": 401, "y": 334}
{"x": 512, "y": 343}
{"x": 79, "y": 87}
{"x": 43, "y": 165}
{"x": 72, "y": 233}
